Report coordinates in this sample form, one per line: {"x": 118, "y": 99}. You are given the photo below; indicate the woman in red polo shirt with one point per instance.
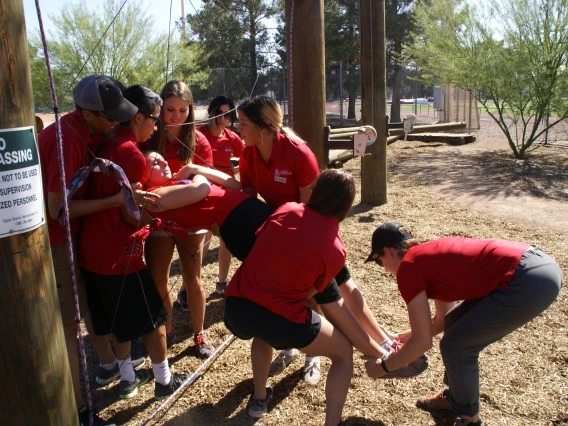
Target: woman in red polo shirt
{"x": 225, "y": 144}
{"x": 180, "y": 144}
{"x": 280, "y": 167}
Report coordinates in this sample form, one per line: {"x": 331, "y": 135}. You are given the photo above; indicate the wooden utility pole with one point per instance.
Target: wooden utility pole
{"x": 373, "y": 100}
{"x": 36, "y": 384}
{"x": 306, "y": 72}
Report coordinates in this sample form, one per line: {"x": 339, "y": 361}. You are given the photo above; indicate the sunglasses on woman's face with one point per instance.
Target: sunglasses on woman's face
{"x": 224, "y": 115}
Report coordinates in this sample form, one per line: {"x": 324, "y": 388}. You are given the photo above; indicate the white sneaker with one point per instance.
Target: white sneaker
{"x": 312, "y": 373}
{"x": 281, "y": 361}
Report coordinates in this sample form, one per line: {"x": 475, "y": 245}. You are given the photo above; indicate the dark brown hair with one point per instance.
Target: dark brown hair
{"x": 333, "y": 194}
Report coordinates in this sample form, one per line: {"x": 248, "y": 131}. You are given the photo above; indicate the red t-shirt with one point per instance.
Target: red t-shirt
{"x": 203, "y": 155}
{"x": 213, "y": 209}
{"x": 228, "y": 144}
{"x": 296, "y": 249}
{"x": 452, "y": 269}
{"x": 78, "y": 146}
{"x": 104, "y": 234}
{"x": 291, "y": 165}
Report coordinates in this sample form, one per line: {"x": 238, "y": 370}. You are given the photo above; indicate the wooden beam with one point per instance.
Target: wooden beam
{"x": 373, "y": 99}
{"x": 306, "y": 72}
{"x": 36, "y": 380}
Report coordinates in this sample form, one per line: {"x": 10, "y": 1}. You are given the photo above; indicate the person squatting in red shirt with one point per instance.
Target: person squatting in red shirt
{"x": 502, "y": 285}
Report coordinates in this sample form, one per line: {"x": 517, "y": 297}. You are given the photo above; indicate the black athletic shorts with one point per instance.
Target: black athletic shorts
{"x": 127, "y": 305}
{"x": 239, "y": 229}
{"x": 331, "y": 292}
{"x": 246, "y": 319}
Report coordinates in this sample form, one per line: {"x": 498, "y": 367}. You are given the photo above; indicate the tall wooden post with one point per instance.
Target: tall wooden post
{"x": 373, "y": 100}
{"x": 36, "y": 384}
{"x": 306, "y": 72}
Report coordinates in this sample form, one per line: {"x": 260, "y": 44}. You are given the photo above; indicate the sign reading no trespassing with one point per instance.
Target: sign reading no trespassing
{"x": 21, "y": 192}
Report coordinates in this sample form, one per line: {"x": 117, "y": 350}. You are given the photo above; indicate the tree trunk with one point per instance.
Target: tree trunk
{"x": 395, "y": 101}
{"x": 36, "y": 380}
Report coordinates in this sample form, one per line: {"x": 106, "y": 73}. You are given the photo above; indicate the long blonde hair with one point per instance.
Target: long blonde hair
{"x": 265, "y": 113}
{"x": 187, "y": 136}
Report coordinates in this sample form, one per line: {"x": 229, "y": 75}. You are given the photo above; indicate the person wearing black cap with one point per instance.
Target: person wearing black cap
{"x": 501, "y": 284}
{"x": 100, "y": 106}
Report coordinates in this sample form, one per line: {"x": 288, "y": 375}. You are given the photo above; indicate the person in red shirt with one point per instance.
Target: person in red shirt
{"x": 502, "y": 285}
{"x": 179, "y": 143}
{"x": 297, "y": 252}
{"x": 193, "y": 205}
{"x": 225, "y": 144}
{"x": 280, "y": 167}
{"x": 122, "y": 297}
{"x": 100, "y": 106}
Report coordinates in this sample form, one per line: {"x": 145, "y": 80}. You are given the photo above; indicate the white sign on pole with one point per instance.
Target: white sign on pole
{"x": 21, "y": 192}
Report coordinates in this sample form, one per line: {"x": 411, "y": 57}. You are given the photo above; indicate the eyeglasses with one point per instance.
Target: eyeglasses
{"x": 377, "y": 259}
{"x": 224, "y": 115}
{"x": 153, "y": 117}
{"x": 100, "y": 114}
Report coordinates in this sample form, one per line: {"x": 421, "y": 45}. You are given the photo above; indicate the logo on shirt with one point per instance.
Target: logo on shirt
{"x": 280, "y": 175}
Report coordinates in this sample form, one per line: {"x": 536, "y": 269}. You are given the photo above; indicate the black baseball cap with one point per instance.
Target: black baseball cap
{"x": 388, "y": 234}
{"x": 102, "y": 94}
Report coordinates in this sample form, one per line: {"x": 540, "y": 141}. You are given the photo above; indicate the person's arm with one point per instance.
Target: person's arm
{"x": 78, "y": 208}
{"x": 420, "y": 341}
{"x": 175, "y": 196}
{"x": 343, "y": 319}
{"x": 212, "y": 175}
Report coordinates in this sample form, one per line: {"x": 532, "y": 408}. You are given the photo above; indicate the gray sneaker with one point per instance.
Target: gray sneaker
{"x": 129, "y": 389}
{"x": 259, "y": 407}
{"x": 413, "y": 369}
{"x": 220, "y": 287}
{"x": 282, "y": 361}
{"x": 182, "y": 300}
{"x": 163, "y": 391}
{"x": 104, "y": 376}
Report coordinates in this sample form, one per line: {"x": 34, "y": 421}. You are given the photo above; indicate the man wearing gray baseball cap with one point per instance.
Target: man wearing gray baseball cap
{"x": 100, "y": 106}
{"x": 102, "y": 96}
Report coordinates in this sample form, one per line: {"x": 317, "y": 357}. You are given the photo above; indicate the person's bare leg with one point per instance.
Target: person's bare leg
{"x": 155, "y": 342}
{"x": 356, "y": 302}
{"x": 331, "y": 343}
{"x": 158, "y": 252}
{"x": 190, "y": 251}
{"x": 224, "y": 262}
{"x": 260, "y": 357}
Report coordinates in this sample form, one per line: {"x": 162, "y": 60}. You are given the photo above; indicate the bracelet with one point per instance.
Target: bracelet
{"x": 384, "y": 366}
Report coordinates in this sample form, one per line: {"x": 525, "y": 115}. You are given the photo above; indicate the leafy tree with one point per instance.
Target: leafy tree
{"x": 342, "y": 45}
{"x": 236, "y": 41}
{"x": 511, "y": 55}
{"x": 399, "y": 24}
{"x": 122, "y": 43}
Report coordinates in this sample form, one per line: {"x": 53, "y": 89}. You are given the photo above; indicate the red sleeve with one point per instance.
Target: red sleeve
{"x": 132, "y": 161}
{"x": 203, "y": 152}
{"x": 237, "y": 143}
{"x": 244, "y": 160}
{"x": 307, "y": 169}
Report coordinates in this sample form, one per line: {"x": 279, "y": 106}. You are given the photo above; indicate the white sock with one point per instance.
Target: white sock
{"x": 162, "y": 373}
{"x": 386, "y": 345}
{"x": 109, "y": 366}
{"x": 288, "y": 352}
{"x": 126, "y": 370}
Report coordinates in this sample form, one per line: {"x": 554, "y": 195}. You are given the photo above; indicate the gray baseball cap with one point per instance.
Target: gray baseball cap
{"x": 102, "y": 94}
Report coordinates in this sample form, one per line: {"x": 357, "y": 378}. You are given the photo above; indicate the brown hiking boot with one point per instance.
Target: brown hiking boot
{"x": 437, "y": 402}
